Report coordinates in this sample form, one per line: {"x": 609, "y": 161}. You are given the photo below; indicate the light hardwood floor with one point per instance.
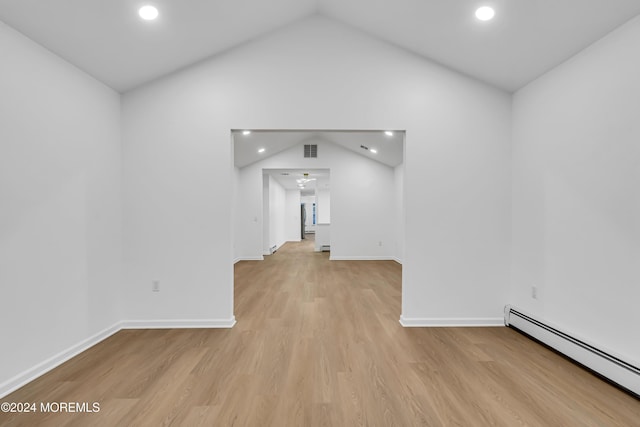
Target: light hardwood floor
{"x": 318, "y": 343}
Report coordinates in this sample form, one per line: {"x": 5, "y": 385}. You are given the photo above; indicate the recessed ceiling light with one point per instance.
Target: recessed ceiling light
{"x": 246, "y": 132}
{"x": 148, "y": 12}
{"x": 485, "y": 13}
{"x": 373, "y": 150}
{"x": 388, "y": 133}
{"x": 261, "y": 150}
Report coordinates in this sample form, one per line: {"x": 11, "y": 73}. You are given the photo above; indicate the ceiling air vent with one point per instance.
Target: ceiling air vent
{"x": 311, "y": 150}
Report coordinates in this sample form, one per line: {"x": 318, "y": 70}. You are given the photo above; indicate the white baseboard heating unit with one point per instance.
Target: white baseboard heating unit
{"x": 612, "y": 368}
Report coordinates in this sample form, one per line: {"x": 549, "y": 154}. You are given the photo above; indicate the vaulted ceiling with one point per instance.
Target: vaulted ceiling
{"x": 107, "y": 39}
{"x": 385, "y": 148}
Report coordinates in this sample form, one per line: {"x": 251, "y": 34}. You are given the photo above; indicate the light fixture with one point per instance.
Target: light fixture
{"x": 148, "y": 12}
{"x": 246, "y": 132}
{"x": 388, "y": 133}
{"x": 261, "y": 150}
{"x": 373, "y": 150}
{"x": 485, "y": 13}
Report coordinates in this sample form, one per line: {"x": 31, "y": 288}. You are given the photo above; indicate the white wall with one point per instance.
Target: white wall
{"x": 266, "y": 213}
{"x": 247, "y": 225}
{"x": 362, "y": 202}
{"x": 398, "y": 176}
{"x": 234, "y": 213}
{"x": 576, "y": 198}
{"x": 277, "y": 213}
{"x": 60, "y": 217}
{"x": 292, "y": 212}
{"x": 323, "y": 208}
{"x": 317, "y": 74}
{"x": 322, "y": 236}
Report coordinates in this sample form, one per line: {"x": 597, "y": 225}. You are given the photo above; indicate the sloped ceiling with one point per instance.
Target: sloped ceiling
{"x": 389, "y": 148}
{"x": 288, "y": 178}
{"x": 524, "y": 40}
{"x": 108, "y": 40}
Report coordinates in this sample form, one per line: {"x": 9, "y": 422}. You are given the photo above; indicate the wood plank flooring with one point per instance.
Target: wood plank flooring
{"x": 318, "y": 343}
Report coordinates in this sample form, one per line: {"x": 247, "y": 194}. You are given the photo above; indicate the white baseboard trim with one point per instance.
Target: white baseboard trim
{"x": 450, "y": 322}
{"x": 398, "y": 260}
{"x": 42, "y": 368}
{"x": 178, "y": 324}
{"x": 47, "y": 365}
{"x": 249, "y": 258}
{"x": 360, "y": 258}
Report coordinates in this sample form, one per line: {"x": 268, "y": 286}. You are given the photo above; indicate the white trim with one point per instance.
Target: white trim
{"x": 47, "y": 365}
{"x": 42, "y": 368}
{"x": 178, "y": 323}
{"x": 398, "y": 260}
{"x": 361, "y": 258}
{"x": 249, "y": 258}
{"x": 451, "y": 322}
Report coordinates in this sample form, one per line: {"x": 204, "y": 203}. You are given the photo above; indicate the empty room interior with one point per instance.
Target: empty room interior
{"x": 320, "y": 212}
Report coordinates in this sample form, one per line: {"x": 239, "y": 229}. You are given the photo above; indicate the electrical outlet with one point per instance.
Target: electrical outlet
{"x": 534, "y": 292}
{"x": 155, "y": 286}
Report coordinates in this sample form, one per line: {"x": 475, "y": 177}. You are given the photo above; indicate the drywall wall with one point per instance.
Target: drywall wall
{"x": 576, "y": 198}
{"x": 252, "y": 230}
{"x": 398, "y": 176}
{"x": 60, "y": 220}
{"x": 234, "y": 213}
{"x": 317, "y": 74}
{"x": 277, "y": 213}
{"x": 362, "y": 202}
{"x": 266, "y": 214}
{"x": 292, "y": 219}
{"x": 324, "y": 206}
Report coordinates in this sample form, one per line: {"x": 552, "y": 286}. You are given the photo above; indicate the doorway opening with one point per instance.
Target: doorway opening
{"x": 362, "y": 217}
{"x": 296, "y": 208}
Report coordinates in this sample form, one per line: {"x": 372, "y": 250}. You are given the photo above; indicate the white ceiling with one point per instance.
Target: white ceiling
{"x": 524, "y": 40}
{"x": 108, "y": 40}
{"x": 390, "y": 149}
{"x": 288, "y": 178}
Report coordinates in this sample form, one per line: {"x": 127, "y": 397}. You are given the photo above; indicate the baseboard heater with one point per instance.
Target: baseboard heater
{"x": 623, "y": 374}
{"x": 325, "y": 248}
